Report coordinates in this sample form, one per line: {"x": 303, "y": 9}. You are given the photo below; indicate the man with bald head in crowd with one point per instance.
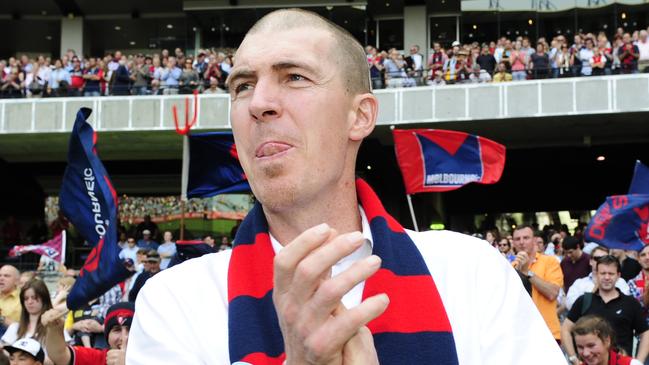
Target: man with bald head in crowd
{"x": 320, "y": 273}
{"x": 9, "y": 295}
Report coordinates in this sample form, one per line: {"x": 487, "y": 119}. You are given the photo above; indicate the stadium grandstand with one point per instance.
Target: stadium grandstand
{"x": 563, "y": 85}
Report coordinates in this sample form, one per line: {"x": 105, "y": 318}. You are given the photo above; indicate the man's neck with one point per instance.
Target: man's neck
{"x": 338, "y": 207}
{"x": 645, "y": 272}
{"x": 578, "y": 257}
{"x": 7, "y": 292}
{"x": 608, "y": 295}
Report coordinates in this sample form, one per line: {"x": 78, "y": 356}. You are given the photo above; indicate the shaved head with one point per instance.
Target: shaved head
{"x": 345, "y": 50}
{"x": 9, "y": 277}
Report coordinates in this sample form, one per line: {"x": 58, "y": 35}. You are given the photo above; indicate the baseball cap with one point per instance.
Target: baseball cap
{"x": 119, "y": 314}
{"x": 146, "y": 231}
{"x": 455, "y": 43}
{"x": 28, "y": 346}
{"x": 153, "y": 257}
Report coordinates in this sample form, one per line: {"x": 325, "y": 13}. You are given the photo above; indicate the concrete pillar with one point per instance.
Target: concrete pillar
{"x": 72, "y": 35}
{"x": 414, "y": 29}
{"x": 198, "y": 40}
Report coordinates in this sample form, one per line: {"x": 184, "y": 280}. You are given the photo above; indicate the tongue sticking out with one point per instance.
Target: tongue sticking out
{"x": 269, "y": 149}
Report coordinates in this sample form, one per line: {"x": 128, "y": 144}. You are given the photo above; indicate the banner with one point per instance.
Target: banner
{"x": 640, "y": 181}
{"x": 433, "y": 160}
{"x": 54, "y": 249}
{"x": 621, "y": 222}
{"x": 214, "y": 166}
{"x": 88, "y": 200}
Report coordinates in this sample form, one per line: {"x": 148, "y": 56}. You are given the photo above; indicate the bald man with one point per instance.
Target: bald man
{"x": 320, "y": 273}
{"x": 9, "y": 295}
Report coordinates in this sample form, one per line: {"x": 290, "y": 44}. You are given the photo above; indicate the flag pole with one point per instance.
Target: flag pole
{"x": 184, "y": 182}
{"x": 64, "y": 239}
{"x": 412, "y": 212}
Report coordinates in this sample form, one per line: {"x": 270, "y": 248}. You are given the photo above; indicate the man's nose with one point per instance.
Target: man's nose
{"x": 264, "y": 104}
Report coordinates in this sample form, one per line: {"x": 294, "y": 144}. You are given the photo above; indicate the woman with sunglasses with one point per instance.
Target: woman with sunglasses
{"x": 594, "y": 338}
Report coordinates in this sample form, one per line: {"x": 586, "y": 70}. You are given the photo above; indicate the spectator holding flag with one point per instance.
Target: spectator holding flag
{"x": 117, "y": 326}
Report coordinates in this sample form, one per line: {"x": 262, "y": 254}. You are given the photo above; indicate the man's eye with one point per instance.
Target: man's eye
{"x": 296, "y": 77}
{"x": 242, "y": 87}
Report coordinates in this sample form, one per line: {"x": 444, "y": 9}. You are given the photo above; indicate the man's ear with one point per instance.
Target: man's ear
{"x": 364, "y": 114}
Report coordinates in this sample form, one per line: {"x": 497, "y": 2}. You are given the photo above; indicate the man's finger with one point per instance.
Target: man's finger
{"x": 341, "y": 328}
{"x": 328, "y": 295}
{"x": 288, "y": 258}
{"x": 310, "y": 270}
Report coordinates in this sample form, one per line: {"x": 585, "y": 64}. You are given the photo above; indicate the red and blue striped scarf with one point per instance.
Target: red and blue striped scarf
{"x": 413, "y": 330}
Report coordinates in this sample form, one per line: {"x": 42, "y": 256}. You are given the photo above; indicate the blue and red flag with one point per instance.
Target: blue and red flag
{"x": 433, "y": 160}
{"x": 214, "y": 166}
{"x": 640, "y": 181}
{"x": 89, "y": 201}
{"x": 621, "y": 222}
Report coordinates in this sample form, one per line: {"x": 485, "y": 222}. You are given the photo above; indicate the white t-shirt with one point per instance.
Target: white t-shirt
{"x": 180, "y": 319}
{"x": 129, "y": 253}
{"x": 11, "y": 335}
{"x": 643, "y": 47}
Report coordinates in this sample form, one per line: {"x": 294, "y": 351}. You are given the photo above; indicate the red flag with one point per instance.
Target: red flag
{"x": 433, "y": 160}
{"x": 54, "y": 248}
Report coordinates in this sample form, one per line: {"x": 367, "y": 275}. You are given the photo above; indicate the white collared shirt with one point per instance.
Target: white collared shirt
{"x": 181, "y": 314}
{"x": 354, "y": 296}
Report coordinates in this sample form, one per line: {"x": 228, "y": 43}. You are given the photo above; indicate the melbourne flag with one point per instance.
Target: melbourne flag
{"x": 640, "y": 182}
{"x": 439, "y": 160}
{"x": 214, "y": 166}
{"x": 621, "y": 222}
{"x": 89, "y": 201}
{"x": 54, "y": 248}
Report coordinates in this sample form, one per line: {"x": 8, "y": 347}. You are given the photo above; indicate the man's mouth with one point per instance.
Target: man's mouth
{"x": 270, "y": 149}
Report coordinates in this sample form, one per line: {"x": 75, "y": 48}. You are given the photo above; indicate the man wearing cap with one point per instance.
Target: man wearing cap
{"x": 320, "y": 273}
{"x": 147, "y": 242}
{"x": 151, "y": 267}
{"x": 117, "y": 325}
{"x": 26, "y": 351}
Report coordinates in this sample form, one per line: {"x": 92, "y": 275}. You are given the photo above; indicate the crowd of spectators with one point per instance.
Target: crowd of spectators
{"x": 576, "y": 285}
{"x": 115, "y": 74}
{"x": 164, "y": 73}
{"x": 586, "y": 54}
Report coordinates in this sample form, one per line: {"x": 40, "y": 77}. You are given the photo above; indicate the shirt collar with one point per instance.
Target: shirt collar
{"x": 365, "y": 227}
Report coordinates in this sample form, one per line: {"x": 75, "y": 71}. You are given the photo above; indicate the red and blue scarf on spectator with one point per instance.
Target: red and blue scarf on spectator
{"x": 414, "y": 329}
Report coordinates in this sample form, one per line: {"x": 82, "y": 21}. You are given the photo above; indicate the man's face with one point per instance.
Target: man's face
{"x": 168, "y": 237}
{"x": 524, "y": 241}
{"x": 118, "y": 337}
{"x": 154, "y": 266}
{"x": 8, "y": 279}
{"x": 607, "y": 275}
{"x": 573, "y": 254}
{"x": 131, "y": 242}
{"x": 146, "y": 236}
{"x": 290, "y": 116}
